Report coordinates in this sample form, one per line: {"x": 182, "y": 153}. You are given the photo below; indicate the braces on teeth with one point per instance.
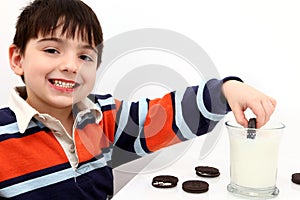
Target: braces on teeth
{"x": 63, "y": 84}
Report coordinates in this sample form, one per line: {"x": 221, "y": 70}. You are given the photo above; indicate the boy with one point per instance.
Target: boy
{"x": 56, "y": 140}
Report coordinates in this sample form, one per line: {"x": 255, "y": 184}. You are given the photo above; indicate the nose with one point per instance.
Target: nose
{"x": 69, "y": 64}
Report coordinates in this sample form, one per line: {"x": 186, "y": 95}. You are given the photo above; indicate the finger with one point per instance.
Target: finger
{"x": 240, "y": 116}
{"x": 268, "y": 108}
{"x": 258, "y": 110}
{"x": 273, "y": 101}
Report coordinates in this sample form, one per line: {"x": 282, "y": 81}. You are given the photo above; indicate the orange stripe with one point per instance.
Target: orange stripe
{"x": 158, "y": 125}
{"x": 89, "y": 141}
{"x": 93, "y": 137}
{"x": 20, "y": 156}
{"x": 108, "y": 122}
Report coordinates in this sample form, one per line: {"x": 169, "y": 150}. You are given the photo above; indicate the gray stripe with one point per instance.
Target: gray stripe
{"x": 53, "y": 178}
{"x": 202, "y": 108}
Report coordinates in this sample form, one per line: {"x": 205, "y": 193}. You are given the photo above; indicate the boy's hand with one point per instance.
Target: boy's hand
{"x": 241, "y": 96}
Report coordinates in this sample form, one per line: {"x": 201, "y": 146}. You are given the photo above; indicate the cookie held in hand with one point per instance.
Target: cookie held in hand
{"x": 251, "y": 132}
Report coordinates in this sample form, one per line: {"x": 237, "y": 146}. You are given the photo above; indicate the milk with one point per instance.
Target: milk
{"x": 253, "y": 162}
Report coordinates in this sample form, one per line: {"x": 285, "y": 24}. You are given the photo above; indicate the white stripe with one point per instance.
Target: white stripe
{"x": 202, "y": 108}
{"x": 179, "y": 120}
{"x": 105, "y": 102}
{"x": 13, "y": 128}
{"x": 123, "y": 120}
{"x": 53, "y": 178}
{"x": 143, "y": 110}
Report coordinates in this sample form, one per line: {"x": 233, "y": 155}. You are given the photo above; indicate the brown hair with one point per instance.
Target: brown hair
{"x": 42, "y": 17}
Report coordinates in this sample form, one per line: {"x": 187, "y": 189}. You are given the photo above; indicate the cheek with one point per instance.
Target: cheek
{"x": 92, "y": 81}
{"x": 33, "y": 73}
{"x": 88, "y": 81}
{"x": 89, "y": 77}
{"x": 37, "y": 67}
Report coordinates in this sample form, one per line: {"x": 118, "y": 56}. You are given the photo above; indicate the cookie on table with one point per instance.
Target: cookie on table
{"x": 207, "y": 171}
{"x": 195, "y": 186}
{"x": 296, "y": 178}
{"x": 164, "y": 181}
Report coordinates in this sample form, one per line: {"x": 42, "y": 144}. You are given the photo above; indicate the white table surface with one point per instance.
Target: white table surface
{"x": 182, "y": 166}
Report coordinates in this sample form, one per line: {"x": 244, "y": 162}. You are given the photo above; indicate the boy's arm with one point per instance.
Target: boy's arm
{"x": 148, "y": 125}
{"x": 139, "y": 128}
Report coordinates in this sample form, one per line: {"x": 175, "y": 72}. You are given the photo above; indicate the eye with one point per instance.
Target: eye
{"x": 86, "y": 58}
{"x": 51, "y": 51}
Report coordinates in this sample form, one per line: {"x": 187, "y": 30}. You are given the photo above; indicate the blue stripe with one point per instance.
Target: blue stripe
{"x": 108, "y": 107}
{"x": 174, "y": 126}
{"x": 143, "y": 110}
{"x": 31, "y": 131}
{"x": 7, "y": 116}
{"x": 103, "y": 96}
{"x": 131, "y": 130}
{"x": 179, "y": 119}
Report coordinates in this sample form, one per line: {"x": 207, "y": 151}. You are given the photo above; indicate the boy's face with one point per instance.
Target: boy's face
{"x": 58, "y": 71}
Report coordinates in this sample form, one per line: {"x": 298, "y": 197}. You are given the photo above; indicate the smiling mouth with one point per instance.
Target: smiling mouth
{"x": 63, "y": 84}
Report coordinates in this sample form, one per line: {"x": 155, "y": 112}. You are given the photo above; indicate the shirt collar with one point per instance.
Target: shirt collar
{"x": 24, "y": 112}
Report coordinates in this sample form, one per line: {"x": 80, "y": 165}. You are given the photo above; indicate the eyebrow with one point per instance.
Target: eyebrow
{"x": 85, "y": 46}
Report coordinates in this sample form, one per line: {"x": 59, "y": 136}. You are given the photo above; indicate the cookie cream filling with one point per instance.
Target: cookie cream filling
{"x": 203, "y": 173}
{"x": 160, "y": 183}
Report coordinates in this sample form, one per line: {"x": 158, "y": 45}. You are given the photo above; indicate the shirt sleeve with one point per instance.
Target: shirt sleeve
{"x": 148, "y": 125}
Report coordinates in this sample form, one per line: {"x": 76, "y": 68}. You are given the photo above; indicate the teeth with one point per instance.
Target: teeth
{"x": 63, "y": 84}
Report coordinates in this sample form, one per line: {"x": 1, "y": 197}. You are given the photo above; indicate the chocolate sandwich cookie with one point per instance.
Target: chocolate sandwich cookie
{"x": 195, "y": 186}
{"x": 251, "y": 132}
{"x": 206, "y": 171}
{"x": 296, "y": 178}
{"x": 164, "y": 181}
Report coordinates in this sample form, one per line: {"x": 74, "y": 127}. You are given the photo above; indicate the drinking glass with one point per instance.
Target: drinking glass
{"x": 253, "y": 159}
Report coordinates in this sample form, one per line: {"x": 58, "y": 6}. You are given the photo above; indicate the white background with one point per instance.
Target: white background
{"x": 257, "y": 40}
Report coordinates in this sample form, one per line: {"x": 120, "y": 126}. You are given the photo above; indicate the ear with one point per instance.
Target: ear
{"x": 15, "y": 60}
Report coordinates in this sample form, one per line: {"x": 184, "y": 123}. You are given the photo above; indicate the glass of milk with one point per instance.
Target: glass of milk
{"x": 253, "y": 160}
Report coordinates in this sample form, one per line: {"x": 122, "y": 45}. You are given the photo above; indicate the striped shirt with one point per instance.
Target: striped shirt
{"x": 39, "y": 160}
